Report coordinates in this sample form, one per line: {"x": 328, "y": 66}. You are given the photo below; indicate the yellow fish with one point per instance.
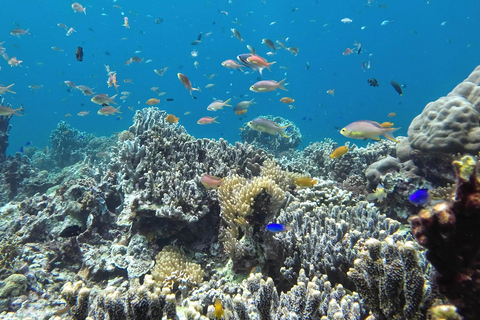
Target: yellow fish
{"x": 171, "y": 118}
{"x": 218, "y": 309}
{"x": 340, "y": 151}
{"x": 386, "y": 124}
{"x": 305, "y": 182}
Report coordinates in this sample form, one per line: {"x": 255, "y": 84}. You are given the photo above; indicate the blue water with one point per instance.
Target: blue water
{"x": 415, "y": 50}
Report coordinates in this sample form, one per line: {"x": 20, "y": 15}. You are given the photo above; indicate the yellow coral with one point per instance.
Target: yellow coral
{"x": 465, "y": 167}
{"x": 172, "y": 267}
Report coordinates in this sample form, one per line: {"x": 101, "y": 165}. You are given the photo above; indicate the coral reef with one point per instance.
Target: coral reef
{"x": 450, "y": 124}
{"x": 449, "y": 230}
{"x": 275, "y": 144}
{"x": 392, "y": 278}
{"x": 4, "y": 132}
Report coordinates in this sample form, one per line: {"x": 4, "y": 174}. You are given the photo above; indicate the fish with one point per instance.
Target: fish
{"x": 305, "y": 182}
{"x": 35, "y": 86}
{"x": 186, "y": 82}
{"x": 67, "y": 115}
{"x": 359, "y": 47}
{"x": 397, "y": 87}
{"x": 293, "y": 50}
{"x": 7, "y": 111}
{"x": 103, "y": 99}
{"x": 236, "y": 34}
{"x": 70, "y": 31}
{"x": 269, "y": 43}
{"x": 83, "y": 113}
{"x": 71, "y": 231}
{"x": 206, "y": 120}
{"x": 346, "y": 20}
{"x": 170, "y": 118}
{"x": 419, "y": 197}
{"x": 287, "y": 100}
{"x": 218, "y": 104}
{"x": 79, "y": 54}
{"x": 241, "y": 107}
{"x": 13, "y": 62}
{"x": 267, "y": 85}
{"x": 347, "y": 51}
{"x": 126, "y": 24}
{"x": 373, "y": 82}
{"x": 281, "y": 44}
{"x": 6, "y": 89}
{"x": 62, "y": 25}
{"x": 161, "y": 71}
{"x": 152, "y": 101}
{"x": 251, "y": 49}
{"x": 218, "y": 312}
{"x": 366, "y": 129}
{"x": 338, "y": 152}
{"x": 268, "y": 126}
{"x": 260, "y": 62}
{"x": 331, "y": 92}
{"x": 391, "y": 114}
{"x": 19, "y": 32}
{"x": 77, "y": 7}
{"x": 232, "y": 64}
{"x": 70, "y": 84}
{"x": 386, "y": 124}
{"x": 277, "y": 227}
{"x": 57, "y": 49}
{"x": 385, "y": 22}
{"x": 211, "y": 181}
{"x": 378, "y": 195}
{"x": 85, "y": 90}
{"x": 108, "y": 110}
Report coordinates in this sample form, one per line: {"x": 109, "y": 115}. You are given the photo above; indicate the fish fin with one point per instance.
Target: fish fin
{"x": 214, "y": 120}
{"x": 226, "y": 102}
{"x": 288, "y": 125}
{"x": 280, "y": 85}
{"x": 196, "y": 89}
{"x": 283, "y": 134}
{"x": 260, "y": 70}
{"x": 388, "y": 133}
{"x": 269, "y": 64}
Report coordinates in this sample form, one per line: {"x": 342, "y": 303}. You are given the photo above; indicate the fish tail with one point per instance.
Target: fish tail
{"x": 226, "y": 102}
{"x": 280, "y": 85}
{"x": 388, "y": 133}
{"x": 9, "y": 87}
{"x": 214, "y": 120}
{"x": 84, "y": 10}
{"x": 196, "y": 89}
{"x": 118, "y": 109}
{"x": 269, "y": 64}
{"x": 282, "y": 131}
{"x": 19, "y": 110}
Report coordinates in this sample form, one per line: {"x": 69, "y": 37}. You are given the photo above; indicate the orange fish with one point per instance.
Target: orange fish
{"x": 108, "y": 110}
{"x": 240, "y": 112}
{"x": 170, "y": 118}
{"x": 386, "y": 124}
{"x": 112, "y": 80}
{"x": 287, "y": 100}
{"x": 259, "y": 62}
{"x": 153, "y": 101}
{"x": 211, "y": 181}
{"x": 340, "y": 151}
{"x": 207, "y": 120}
{"x": 305, "y": 182}
{"x": 186, "y": 82}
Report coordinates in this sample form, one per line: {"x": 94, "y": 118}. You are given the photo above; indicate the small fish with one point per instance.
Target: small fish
{"x": 67, "y": 115}
{"x": 236, "y": 34}
{"x": 13, "y": 62}
{"x": 267, "y": 85}
{"x": 269, "y": 43}
{"x": 287, "y": 100}
{"x": 218, "y": 104}
{"x": 241, "y": 107}
{"x": 359, "y": 46}
{"x": 70, "y": 84}
{"x": 63, "y": 26}
{"x": 158, "y": 20}
{"x": 259, "y": 62}
{"x": 161, "y": 71}
{"x": 346, "y": 20}
{"x": 419, "y": 197}
{"x": 77, "y": 7}
{"x": 268, "y": 126}
{"x": 232, "y": 64}
{"x": 218, "y": 312}
{"x": 71, "y": 231}
{"x": 126, "y": 24}
{"x": 6, "y": 89}
{"x": 206, "y": 120}
{"x": 152, "y": 101}
{"x": 108, "y": 110}
{"x": 7, "y": 111}
{"x": 70, "y": 31}
{"x": 186, "y": 82}
{"x": 397, "y": 87}
{"x": 79, "y": 54}
{"x": 386, "y": 124}
{"x": 293, "y": 50}
{"x": 169, "y": 99}
{"x": 133, "y": 59}
{"x": 251, "y": 49}
{"x": 277, "y": 227}
{"x": 170, "y": 118}
{"x": 391, "y": 114}
{"x": 85, "y": 90}
{"x": 366, "y": 129}
{"x": 35, "y": 86}
{"x": 331, "y": 92}
{"x": 373, "y": 82}
{"x": 385, "y": 22}
{"x": 83, "y": 113}
{"x": 347, "y": 51}
{"x": 57, "y": 49}
{"x": 378, "y": 195}
{"x": 19, "y": 32}
{"x": 340, "y": 151}
{"x": 281, "y": 44}
{"x": 211, "y": 181}
{"x": 103, "y": 99}
{"x": 305, "y": 182}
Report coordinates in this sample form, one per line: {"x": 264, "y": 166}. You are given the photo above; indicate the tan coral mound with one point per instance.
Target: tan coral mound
{"x": 450, "y": 124}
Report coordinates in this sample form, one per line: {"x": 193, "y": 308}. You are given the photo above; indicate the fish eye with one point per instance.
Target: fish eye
{"x": 343, "y": 130}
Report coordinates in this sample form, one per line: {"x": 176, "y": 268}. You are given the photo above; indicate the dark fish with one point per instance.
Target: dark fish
{"x": 307, "y": 66}
{"x": 169, "y": 99}
{"x": 79, "y": 54}
{"x": 373, "y": 82}
{"x": 195, "y": 42}
{"x": 158, "y": 20}
{"x": 199, "y": 38}
{"x": 20, "y": 149}
{"x": 397, "y": 87}
{"x": 71, "y": 231}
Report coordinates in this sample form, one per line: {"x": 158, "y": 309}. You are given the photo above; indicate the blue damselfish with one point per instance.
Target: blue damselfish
{"x": 420, "y": 196}
{"x": 276, "y": 227}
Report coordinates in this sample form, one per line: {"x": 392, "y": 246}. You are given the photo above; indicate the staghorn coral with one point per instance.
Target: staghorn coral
{"x": 449, "y": 231}
{"x": 392, "y": 278}
{"x": 450, "y": 124}
{"x": 275, "y": 144}
{"x": 174, "y": 270}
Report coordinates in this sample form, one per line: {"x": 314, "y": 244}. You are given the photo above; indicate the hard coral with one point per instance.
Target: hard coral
{"x": 450, "y": 232}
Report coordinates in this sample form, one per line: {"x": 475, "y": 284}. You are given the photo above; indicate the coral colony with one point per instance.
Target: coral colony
{"x": 153, "y": 223}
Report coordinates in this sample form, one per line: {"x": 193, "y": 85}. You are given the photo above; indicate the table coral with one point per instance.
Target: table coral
{"x": 450, "y": 124}
{"x": 450, "y": 232}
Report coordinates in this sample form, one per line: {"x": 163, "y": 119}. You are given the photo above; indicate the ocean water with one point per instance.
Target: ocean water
{"x": 429, "y": 47}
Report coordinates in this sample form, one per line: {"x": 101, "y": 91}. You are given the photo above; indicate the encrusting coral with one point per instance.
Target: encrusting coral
{"x": 450, "y": 232}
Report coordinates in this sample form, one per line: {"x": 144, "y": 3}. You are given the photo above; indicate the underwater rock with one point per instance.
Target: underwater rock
{"x": 377, "y": 170}
{"x": 450, "y": 124}
{"x": 277, "y": 143}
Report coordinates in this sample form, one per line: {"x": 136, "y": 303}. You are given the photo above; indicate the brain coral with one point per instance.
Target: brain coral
{"x": 451, "y": 123}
